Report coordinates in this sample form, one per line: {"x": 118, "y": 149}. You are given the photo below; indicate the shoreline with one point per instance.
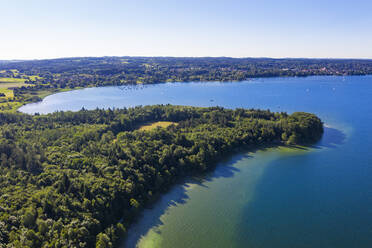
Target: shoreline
{"x": 56, "y": 91}
{"x": 189, "y": 181}
{"x": 218, "y": 159}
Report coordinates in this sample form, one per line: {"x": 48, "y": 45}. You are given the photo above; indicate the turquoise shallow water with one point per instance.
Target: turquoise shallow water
{"x": 318, "y": 197}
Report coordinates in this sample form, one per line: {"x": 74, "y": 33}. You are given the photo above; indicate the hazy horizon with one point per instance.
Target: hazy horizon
{"x": 120, "y": 56}
{"x": 40, "y": 29}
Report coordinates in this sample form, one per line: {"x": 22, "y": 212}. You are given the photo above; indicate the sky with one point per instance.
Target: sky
{"x": 38, "y": 29}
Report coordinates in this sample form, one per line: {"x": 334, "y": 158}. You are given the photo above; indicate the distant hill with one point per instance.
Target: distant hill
{"x": 123, "y": 70}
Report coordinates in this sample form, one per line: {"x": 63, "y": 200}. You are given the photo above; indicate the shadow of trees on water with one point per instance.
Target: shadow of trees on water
{"x": 177, "y": 195}
{"x": 332, "y": 138}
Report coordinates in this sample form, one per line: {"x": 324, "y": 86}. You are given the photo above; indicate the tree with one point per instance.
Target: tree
{"x": 103, "y": 241}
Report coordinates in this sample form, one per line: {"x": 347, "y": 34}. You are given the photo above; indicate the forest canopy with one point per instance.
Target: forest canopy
{"x": 78, "y": 179}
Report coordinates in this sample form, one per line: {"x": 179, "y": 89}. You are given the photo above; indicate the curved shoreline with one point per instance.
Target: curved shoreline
{"x": 178, "y": 82}
{"x": 233, "y": 130}
{"x": 177, "y": 194}
{"x": 149, "y": 231}
{"x": 338, "y": 119}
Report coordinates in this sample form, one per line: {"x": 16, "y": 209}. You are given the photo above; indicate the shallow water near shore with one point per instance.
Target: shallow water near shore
{"x": 277, "y": 197}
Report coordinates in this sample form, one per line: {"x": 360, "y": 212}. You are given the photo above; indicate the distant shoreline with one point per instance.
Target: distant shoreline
{"x": 144, "y": 85}
{"x": 52, "y": 75}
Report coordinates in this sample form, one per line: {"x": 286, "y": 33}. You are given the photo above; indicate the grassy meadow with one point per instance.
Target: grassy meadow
{"x": 154, "y": 125}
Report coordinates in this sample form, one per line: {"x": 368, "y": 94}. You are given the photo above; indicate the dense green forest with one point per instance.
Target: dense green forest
{"x": 78, "y": 179}
{"x": 74, "y": 72}
{"x": 42, "y": 77}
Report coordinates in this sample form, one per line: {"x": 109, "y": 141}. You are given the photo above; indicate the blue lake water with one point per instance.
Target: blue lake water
{"x": 278, "y": 197}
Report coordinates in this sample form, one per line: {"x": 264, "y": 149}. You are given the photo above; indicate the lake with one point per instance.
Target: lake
{"x": 278, "y": 197}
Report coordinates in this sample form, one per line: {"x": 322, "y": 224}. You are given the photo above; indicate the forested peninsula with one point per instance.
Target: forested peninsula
{"x": 78, "y": 179}
{"x": 29, "y": 81}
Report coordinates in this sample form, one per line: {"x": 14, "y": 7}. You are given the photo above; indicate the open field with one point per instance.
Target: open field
{"x": 12, "y": 80}
{"x": 5, "y": 87}
{"x": 14, "y": 84}
{"x": 8, "y": 93}
{"x": 154, "y": 125}
{"x": 33, "y": 78}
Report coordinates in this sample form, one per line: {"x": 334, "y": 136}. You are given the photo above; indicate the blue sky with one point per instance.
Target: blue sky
{"x": 34, "y": 29}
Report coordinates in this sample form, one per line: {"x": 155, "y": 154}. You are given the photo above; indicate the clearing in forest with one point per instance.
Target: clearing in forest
{"x": 153, "y": 125}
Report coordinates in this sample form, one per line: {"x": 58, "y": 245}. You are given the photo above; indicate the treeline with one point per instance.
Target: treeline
{"x": 83, "y": 72}
{"x": 78, "y": 179}
{"x": 48, "y": 76}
